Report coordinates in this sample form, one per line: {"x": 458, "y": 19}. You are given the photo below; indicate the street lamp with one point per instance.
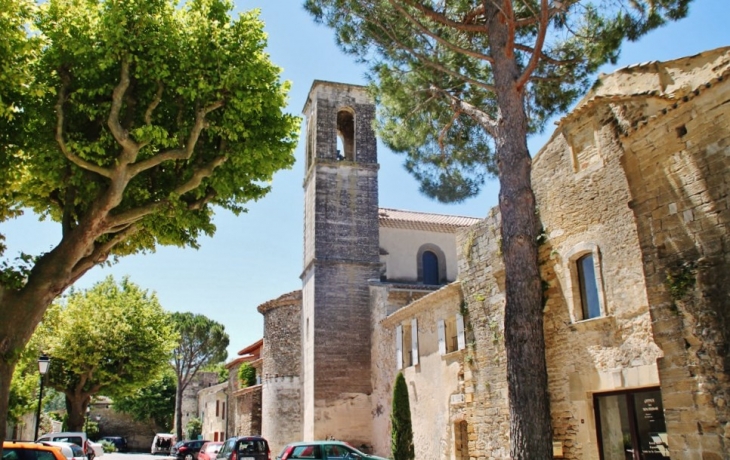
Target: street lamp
{"x": 43, "y": 363}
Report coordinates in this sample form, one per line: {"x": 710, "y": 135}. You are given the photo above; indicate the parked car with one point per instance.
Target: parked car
{"x": 209, "y": 450}
{"x": 245, "y": 448}
{"x": 162, "y": 443}
{"x": 323, "y": 450}
{"x": 120, "y": 442}
{"x": 187, "y": 450}
{"x": 91, "y": 449}
{"x": 69, "y": 450}
{"x": 13, "y": 450}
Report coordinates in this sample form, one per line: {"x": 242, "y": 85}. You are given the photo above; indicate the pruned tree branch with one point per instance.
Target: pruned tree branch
{"x": 134, "y": 215}
{"x": 101, "y": 252}
{"x": 75, "y": 159}
{"x": 153, "y": 105}
{"x": 120, "y": 134}
{"x": 177, "y": 154}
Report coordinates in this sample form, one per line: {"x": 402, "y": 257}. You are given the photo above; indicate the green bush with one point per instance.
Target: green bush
{"x": 247, "y": 375}
{"x": 194, "y": 428}
{"x": 108, "y": 446}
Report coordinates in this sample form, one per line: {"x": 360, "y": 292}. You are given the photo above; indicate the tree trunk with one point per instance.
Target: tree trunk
{"x": 22, "y": 309}
{"x": 6, "y": 373}
{"x": 178, "y": 411}
{"x": 76, "y": 410}
{"x": 530, "y": 424}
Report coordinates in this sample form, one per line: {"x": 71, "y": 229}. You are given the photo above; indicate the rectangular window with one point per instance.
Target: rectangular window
{"x": 223, "y": 410}
{"x": 217, "y": 408}
{"x": 451, "y": 334}
{"x": 590, "y": 305}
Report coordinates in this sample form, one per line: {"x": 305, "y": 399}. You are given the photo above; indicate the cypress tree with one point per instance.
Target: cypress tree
{"x": 401, "y": 437}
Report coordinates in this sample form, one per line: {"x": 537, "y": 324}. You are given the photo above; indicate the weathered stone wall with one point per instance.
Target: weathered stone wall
{"x": 214, "y": 411}
{"x": 646, "y": 206}
{"x": 678, "y": 165}
{"x": 281, "y": 409}
{"x": 200, "y": 381}
{"x": 481, "y": 272}
{"x": 248, "y": 410}
{"x": 435, "y": 383}
{"x": 340, "y": 256}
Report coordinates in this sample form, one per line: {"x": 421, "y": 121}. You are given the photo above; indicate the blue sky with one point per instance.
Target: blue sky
{"x": 258, "y": 256}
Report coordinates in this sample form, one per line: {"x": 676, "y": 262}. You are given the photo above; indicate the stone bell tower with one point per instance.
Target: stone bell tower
{"x": 341, "y": 254}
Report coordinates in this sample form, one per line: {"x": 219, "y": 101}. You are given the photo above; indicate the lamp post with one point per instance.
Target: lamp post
{"x": 43, "y": 363}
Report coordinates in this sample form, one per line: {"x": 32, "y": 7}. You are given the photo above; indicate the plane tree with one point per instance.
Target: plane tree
{"x": 111, "y": 340}
{"x": 144, "y": 115}
{"x": 202, "y": 342}
{"x": 460, "y": 85}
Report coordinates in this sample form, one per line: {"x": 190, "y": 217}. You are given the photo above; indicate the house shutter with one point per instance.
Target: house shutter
{"x": 399, "y": 347}
{"x": 460, "y": 338}
{"x": 442, "y": 337}
{"x": 414, "y": 340}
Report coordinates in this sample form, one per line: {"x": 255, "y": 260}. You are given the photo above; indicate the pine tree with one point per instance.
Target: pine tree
{"x": 401, "y": 437}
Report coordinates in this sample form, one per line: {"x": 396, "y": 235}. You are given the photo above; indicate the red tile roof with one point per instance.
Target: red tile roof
{"x": 427, "y": 222}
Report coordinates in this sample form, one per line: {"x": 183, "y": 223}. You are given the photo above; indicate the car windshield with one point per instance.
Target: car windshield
{"x": 10, "y": 453}
{"x": 253, "y": 446}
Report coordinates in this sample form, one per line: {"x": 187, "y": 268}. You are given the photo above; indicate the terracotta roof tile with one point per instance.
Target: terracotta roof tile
{"x": 427, "y": 222}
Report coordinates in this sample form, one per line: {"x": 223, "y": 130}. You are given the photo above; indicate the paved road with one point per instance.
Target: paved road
{"x": 133, "y": 456}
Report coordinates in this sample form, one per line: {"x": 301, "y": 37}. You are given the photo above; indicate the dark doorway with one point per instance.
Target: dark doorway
{"x": 430, "y": 268}
{"x": 631, "y": 425}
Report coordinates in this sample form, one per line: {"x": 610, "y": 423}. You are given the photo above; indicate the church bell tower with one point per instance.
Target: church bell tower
{"x": 341, "y": 255}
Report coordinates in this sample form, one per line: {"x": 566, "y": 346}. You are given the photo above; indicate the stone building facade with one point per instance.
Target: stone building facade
{"x": 632, "y": 190}
{"x": 213, "y": 406}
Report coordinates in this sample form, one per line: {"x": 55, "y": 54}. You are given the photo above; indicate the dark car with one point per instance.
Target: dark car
{"x": 245, "y": 448}
{"x": 323, "y": 450}
{"x": 187, "y": 450}
{"x": 120, "y": 442}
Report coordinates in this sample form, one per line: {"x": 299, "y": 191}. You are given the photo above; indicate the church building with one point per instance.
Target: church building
{"x": 632, "y": 191}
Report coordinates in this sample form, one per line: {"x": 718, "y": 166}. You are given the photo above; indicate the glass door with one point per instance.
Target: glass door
{"x": 631, "y": 425}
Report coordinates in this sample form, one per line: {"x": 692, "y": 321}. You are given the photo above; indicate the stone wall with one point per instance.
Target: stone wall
{"x": 248, "y": 410}
{"x": 199, "y": 381}
{"x": 640, "y": 182}
{"x": 678, "y": 166}
{"x": 281, "y": 409}
{"x": 214, "y": 411}
{"x": 435, "y": 383}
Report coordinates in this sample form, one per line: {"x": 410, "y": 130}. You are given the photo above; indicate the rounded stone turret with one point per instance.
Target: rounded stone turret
{"x": 281, "y": 408}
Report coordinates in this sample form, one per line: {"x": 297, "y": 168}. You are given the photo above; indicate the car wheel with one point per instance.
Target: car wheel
{"x": 189, "y": 457}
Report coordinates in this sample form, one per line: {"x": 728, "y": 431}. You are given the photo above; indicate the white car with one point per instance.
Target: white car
{"x": 69, "y": 450}
{"x": 92, "y": 449}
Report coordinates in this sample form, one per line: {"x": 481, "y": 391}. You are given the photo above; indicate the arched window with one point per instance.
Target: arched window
{"x": 430, "y": 268}
{"x": 588, "y": 288}
{"x": 586, "y": 298}
{"x": 345, "y": 135}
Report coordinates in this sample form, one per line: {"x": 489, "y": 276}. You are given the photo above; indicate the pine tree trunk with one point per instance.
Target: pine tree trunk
{"x": 178, "y": 412}
{"x": 530, "y": 424}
